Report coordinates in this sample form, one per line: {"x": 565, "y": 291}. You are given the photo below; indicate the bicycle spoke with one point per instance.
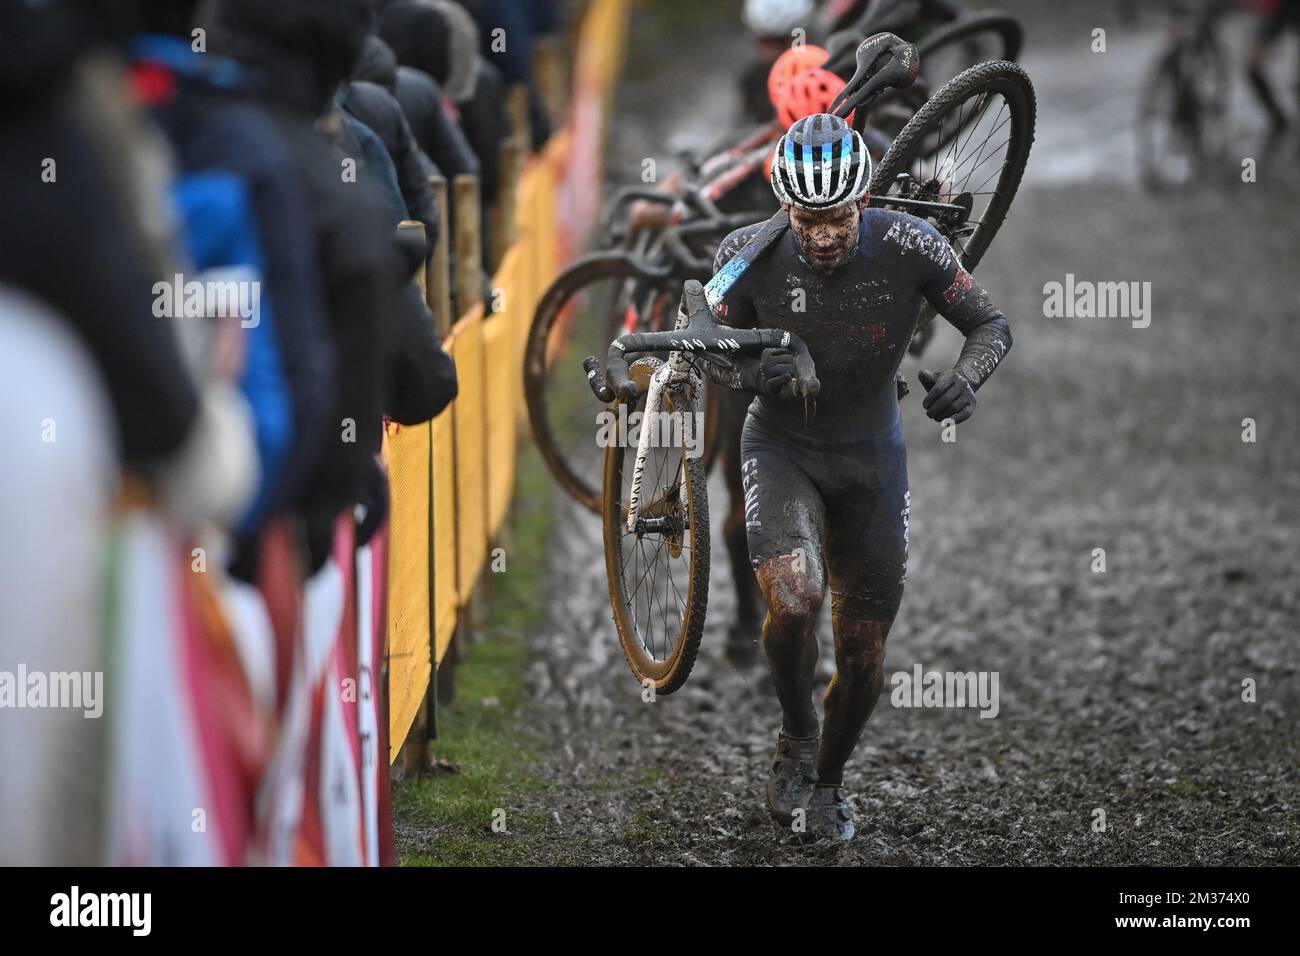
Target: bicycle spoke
{"x": 650, "y": 560}
{"x": 995, "y": 172}
{"x": 981, "y": 104}
{"x": 984, "y": 144}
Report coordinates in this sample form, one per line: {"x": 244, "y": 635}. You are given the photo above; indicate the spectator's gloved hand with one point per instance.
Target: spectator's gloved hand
{"x": 948, "y": 395}
{"x": 412, "y": 247}
{"x": 374, "y": 498}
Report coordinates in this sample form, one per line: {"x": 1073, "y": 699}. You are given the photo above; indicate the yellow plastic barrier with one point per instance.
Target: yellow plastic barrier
{"x": 470, "y": 422}
{"x": 446, "y": 590}
{"x": 498, "y": 361}
{"x": 408, "y": 452}
{"x": 452, "y": 480}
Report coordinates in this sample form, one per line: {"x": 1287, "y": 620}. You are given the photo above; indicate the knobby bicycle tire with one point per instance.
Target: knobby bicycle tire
{"x": 993, "y": 22}
{"x": 670, "y": 674}
{"x": 997, "y": 76}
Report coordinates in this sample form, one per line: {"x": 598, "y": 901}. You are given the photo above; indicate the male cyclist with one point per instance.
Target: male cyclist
{"x": 737, "y": 180}
{"x": 826, "y": 498}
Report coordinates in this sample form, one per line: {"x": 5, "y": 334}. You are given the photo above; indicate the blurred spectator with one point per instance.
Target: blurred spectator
{"x": 93, "y": 160}
{"x": 197, "y": 101}
{"x": 354, "y": 139}
{"x": 421, "y": 101}
{"x": 374, "y": 106}
{"x": 423, "y": 37}
{"x": 299, "y": 53}
{"x": 507, "y": 31}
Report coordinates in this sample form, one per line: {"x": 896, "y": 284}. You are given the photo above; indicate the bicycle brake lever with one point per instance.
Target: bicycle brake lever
{"x": 718, "y": 360}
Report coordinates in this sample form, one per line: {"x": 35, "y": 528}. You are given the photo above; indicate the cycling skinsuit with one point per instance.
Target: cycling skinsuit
{"x": 832, "y": 480}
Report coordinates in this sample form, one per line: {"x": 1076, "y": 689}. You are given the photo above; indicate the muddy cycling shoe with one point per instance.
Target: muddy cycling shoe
{"x": 793, "y": 775}
{"x": 828, "y": 815}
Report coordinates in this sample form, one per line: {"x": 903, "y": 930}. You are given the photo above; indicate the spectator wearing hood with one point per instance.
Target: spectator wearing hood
{"x": 421, "y": 101}
{"x": 441, "y": 44}
{"x": 518, "y": 24}
{"x": 374, "y": 106}
{"x": 213, "y": 128}
{"x": 297, "y": 53}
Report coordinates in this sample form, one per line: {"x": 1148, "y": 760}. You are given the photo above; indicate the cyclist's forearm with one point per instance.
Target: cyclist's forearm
{"x": 986, "y": 346}
{"x": 970, "y": 310}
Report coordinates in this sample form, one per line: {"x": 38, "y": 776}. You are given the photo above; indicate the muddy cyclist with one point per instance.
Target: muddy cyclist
{"x": 826, "y": 494}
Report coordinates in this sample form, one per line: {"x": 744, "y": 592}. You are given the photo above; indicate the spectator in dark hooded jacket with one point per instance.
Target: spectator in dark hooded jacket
{"x": 507, "y": 30}
{"x": 297, "y": 53}
{"x": 422, "y": 38}
{"x": 99, "y": 276}
{"x": 198, "y": 102}
{"x": 376, "y": 108}
{"x": 421, "y": 101}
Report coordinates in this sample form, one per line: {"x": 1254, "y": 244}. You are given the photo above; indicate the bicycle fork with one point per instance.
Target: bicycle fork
{"x": 675, "y": 376}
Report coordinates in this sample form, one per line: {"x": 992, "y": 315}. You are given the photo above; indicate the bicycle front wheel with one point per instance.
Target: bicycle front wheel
{"x": 658, "y": 571}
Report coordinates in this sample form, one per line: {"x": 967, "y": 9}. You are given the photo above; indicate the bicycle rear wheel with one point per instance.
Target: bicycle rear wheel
{"x": 658, "y": 573}
{"x": 993, "y": 105}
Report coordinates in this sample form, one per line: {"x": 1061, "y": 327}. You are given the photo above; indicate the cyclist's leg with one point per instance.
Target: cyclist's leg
{"x": 866, "y": 560}
{"x": 1261, "y": 48}
{"x": 784, "y": 520}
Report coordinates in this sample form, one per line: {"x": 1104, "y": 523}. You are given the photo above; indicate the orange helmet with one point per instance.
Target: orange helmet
{"x": 798, "y": 85}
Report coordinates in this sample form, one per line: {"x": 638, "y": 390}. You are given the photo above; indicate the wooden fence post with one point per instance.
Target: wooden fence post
{"x": 469, "y": 259}
{"x": 514, "y": 151}
{"x": 548, "y": 71}
{"x": 438, "y": 282}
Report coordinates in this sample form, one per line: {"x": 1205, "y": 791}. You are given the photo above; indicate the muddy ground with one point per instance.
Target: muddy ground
{"x": 1120, "y": 691}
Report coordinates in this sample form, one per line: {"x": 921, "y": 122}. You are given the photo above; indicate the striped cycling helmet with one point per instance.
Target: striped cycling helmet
{"x": 820, "y": 163}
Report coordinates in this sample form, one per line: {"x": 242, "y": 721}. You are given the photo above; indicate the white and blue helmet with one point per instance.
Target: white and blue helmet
{"x": 820, "y": 163}
{"x": 776, "y": 18}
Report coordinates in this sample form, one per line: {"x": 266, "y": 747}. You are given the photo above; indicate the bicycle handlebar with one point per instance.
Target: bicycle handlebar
{"x": 702, "y": 338}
